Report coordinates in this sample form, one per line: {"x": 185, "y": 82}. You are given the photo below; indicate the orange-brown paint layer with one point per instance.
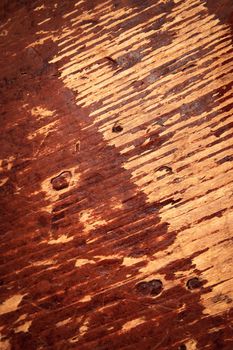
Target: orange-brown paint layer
{"x": 88, "y": 260}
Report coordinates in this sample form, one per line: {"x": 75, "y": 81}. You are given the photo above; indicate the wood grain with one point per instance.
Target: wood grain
{"x": 116, "y": 175}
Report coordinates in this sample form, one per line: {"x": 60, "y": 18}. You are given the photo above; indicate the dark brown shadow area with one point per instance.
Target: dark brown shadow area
{"x": 223, "y": 9}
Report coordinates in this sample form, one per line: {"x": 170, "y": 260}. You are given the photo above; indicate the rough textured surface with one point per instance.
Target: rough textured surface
{"x": 116, "y": 174}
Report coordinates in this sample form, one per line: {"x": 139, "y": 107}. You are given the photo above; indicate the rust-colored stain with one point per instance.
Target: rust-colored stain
{"x": 116, "y": 175}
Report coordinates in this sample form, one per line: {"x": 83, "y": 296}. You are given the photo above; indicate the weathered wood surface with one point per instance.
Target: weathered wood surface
{"x": 116, "y": 174}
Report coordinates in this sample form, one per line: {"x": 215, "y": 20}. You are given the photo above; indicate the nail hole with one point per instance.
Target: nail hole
{"x": 194, "y": 283}
{"x": 77, "y": 146}
{"x": 153, "y": 287}
{"x": 156, "y": 287}
{"x": 166, "y": 168}
{"x": 61, "y": 181}
{"x": 182, "y": 347}
{"x": 117, "y": 128}
{"x": 142, "y": 287}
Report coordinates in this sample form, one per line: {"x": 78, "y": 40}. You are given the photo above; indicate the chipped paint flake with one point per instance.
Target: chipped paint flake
{"x": 62, "y": 239}
{"x": 24, "y": 327}
{"x": 132, "y": 324}
{"x": 82, "y": 262}
{"x": 128, "y": 261}
{"x": 64, "y": 322}
{"x": 85, "y": 299}
{"x": 11, "y": 304}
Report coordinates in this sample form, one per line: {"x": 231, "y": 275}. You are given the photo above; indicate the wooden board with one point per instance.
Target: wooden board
{"x": 116, "y": 175}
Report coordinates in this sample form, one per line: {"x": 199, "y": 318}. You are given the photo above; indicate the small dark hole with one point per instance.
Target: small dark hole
{"x": 182, "y": 347}
{"x": 117, "y": 128}
{"x": 168, "y": 169}
{"x": 143, "y": 288}
{"x": 61, "y": 181}
{"x": 194, "y": 283}
{"x": 156, "y": 287}
{"x": 153, "y": 287}
{"x": 77, "y": 146}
